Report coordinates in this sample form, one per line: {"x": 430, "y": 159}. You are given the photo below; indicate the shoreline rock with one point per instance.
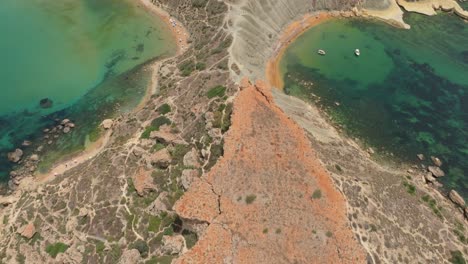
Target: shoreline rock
{"x": 15, "y": 156}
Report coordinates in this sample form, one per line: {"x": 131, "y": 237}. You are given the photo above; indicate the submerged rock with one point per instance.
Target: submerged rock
{"x": 45, "y": 103}
{"x": 436, "y": 171}
{"x": 456, "y": 198}
{"x": 15, "y": 156}
{"x": 436, "y": 161}
{"x": 26, "y": 143}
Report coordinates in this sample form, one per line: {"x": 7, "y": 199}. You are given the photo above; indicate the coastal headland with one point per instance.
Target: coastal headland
{"x": 217, "y": 165}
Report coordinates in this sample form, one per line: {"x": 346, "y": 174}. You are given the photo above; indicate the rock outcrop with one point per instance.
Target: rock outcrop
{"x": 15, "y": 156}
{"x": 457, "y": 199}
{"x": 258, "y": 197}
{"x": 143, "y": 182}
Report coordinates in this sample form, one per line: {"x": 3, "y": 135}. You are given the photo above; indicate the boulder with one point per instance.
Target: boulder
{"x": 421, "y": 157}
{"x": 436, "y": 171}
{"x": 70, "y": 125}
{"x": 160, "y": 204}
{"x": 15, "y": 156}
{"x": 371, "y": 151}
{"x": 456, "y": 198}
{"x": 66, "y": 130}
{"x": 436, "y": 161}
{"x": 187, "y": 178}
{"x": 191, "y": 159}
{"x": 163, "y": 137}
{"x": 34, "y": 157}
{"x": 130, "y": 256}
{"x": 143, "y": 182}
{"x": 65, "y": 121}
{"x": 107, "y": 124}
{"x": 429, "y": 177}
{"x": 27, "y": 230}
{"x": 173, "y": 244}
{"x": 161, "y": 158}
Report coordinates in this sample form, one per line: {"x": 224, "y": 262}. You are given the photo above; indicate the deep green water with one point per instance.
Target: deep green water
{"x": 85, "y": 55}
{"x": 406, "y": 94}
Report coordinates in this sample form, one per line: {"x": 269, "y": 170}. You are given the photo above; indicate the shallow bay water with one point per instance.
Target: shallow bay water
{"x": 86, "y": 56}
{"x": 406, "y": 94}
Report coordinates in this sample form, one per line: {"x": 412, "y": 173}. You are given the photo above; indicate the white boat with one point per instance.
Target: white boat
{"x": 357, "y": 52}
{"x": 321, "y": 52}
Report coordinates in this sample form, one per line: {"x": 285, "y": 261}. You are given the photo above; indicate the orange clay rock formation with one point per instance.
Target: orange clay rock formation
{"x": 268, "y": 200}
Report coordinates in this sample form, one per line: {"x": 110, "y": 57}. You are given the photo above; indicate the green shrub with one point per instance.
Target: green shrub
{"x": 217, "y": 91}
{"x": 317, "y": 194}
{"x": 457, "y": 257}
{"x": 410, "y": 188}
{"x": 141, "y": 246}
{"x": 187, "y": 68}
{"x": 250, "y": 198}
{"x": 154, "y": 223}
{"x": 164, "y": 109}
{"x": 155, "y": 125}
{"x": 54, "y": 249}
{"x": 328, "y": 234}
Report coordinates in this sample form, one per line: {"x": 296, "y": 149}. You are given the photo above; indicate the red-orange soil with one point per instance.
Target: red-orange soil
{"x": 268, "y": 156}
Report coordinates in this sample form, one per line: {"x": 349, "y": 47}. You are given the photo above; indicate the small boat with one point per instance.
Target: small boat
{"x": 321, "y": 52}
{"x": 357, "y": 52}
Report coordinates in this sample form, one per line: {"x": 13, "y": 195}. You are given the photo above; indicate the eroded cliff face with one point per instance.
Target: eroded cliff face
{"x": 256, "y": 26}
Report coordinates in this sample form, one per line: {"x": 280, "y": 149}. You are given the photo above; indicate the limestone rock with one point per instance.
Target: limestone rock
{"x": 163, "y": 137}
{"x": 191, "y": 159}
{"x": 436, "y": 161}
{"x": 371, "y": 151}
{"x": 66, "y": 130}
{"x": 173, "y": 244}
{"x": 34, "y": 157}
{"x": 160, "y": 204}
{"x": 188, "y": 176}
{"x": 65, "y": 121}
{"x": 162, "y": 158}
{"x": 143, "y": 182}
{"x": 27, "y": 230}
{"x": 130, "y": 256}
{"x": 429, "y": 177}
{"x": 421, "y": 157}
{"x": 15, "y": 156}
{"x": 107, "y": 124}
{"x": 436, "y": 171}
{"x": 456, "y": 198}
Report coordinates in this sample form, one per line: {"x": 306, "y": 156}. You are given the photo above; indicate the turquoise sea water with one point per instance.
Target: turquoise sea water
{"x": 406, "y": 94}
{"x": 84, "y": 55}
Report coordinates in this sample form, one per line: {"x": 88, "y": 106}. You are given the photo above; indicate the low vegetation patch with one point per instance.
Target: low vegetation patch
{"x": 410, "y": 188}
{"x": 54, "y": 249}
{"x": 432, "y": 203}
{"x": 250, "y": 198}
{"x": 164, "y": 109}
{"x": 217, "y": 91}
{"x": 155, "y": 125}
{"x": 457, "y": 257}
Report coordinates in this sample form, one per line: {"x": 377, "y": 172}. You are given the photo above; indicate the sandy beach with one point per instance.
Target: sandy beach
{"x": 292, "y": 32}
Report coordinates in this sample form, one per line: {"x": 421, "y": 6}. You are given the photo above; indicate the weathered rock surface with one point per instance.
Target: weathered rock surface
{"x": 161, "y": 158}
{"x": 159, "y": 205}
{"x": 173, "y": 244}
{"x": 457, "y": 198}
{"x": 436, "y": 161}
{"x": 130, "y": 256}
{"x": 188, "y": 176}
{"x": 15, "y": 156}
{"x": 143, "y": 182}
{"x": 163, "y": 137}
{"x": 27, "y": 230}
{"x": 436, "y": 171}
{"x": 279, "y": 180}
{"x": 107, "y": 124}
{"x": 429, "y": 177}
{"x": 191, "y": 159}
